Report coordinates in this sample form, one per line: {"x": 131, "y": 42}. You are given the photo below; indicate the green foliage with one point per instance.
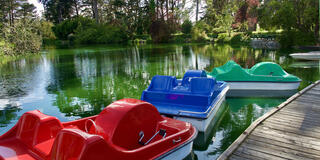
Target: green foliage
{"x": 199, "y": 32}
{"x": 234, "y": 38}
{"x": 181, "y": 38}
{"x": 225, "y": 20}
{"x": 86, "y": 31}
{"x": 240, "y": 38}
{"x": 290, "y": 16}
{"x": 46, "y": 30}
{"x": 186, "y": 26}
{"x": 67, "y": 27}
{"x": 6, "y": 48}
{"x": 291, "y": 38}
{"x": 22, "y": 38}
{"x": 58, "y": 10}
{"x": 100, "y": 34}
{"x": 223, "y": 38}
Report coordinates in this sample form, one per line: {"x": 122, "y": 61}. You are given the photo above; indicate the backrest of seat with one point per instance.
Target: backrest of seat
{"x": 121, "y": 122}
{"x": 192, "y": 73}
{"x": 162, "y": 83}
{"x": 75, "y": 144}
{"x": 36, "y": 127}
{"x": 143, "y": 118}
{"x": 202, "y": 85}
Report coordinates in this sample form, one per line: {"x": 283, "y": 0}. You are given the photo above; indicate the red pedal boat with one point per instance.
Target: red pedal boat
{"x": 126, "y": 129}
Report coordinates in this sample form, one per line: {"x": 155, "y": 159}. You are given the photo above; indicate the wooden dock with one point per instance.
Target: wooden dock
{"x": 289, "y": 131}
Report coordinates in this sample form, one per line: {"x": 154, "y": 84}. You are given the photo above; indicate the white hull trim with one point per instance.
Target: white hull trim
{"x": 272, "y": 86}
{"x": 202, "y": 124}
{"x": 306, "y": 56}
{"x": 181, "y": 153}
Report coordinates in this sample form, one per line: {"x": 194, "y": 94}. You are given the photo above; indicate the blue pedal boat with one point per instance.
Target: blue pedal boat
{"x": 196, "y": 98}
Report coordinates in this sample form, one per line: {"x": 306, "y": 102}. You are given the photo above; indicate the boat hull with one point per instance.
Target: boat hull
{"x": 178, "y": 153}
{"x": 306, "y": 56}
{"x": 265, "y": 86}
{"x": 202, "y": 124}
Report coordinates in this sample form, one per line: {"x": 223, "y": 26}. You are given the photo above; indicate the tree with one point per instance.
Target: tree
{"x": 10, "y": 10}
{"x": 27, "y": 11}
{"x": 57, "y": 10}
{"x": 288, "y": 15}
{"x": 186, "y": 26}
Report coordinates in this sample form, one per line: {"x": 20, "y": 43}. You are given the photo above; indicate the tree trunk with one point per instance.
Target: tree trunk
{"x": 167, "y": 9}
{"x": 172, "y": 6}
{"x": 316, "y": 30}
{"x": 197, "y": 10}
{"x": 76, "y": 7}
{"x": 11, "y": 13}
{"x": 95, "y": 10}
{"x": 59, "y": 15}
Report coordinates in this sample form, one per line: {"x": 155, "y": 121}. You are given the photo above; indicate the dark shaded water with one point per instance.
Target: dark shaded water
{"x": 80, "y": 82}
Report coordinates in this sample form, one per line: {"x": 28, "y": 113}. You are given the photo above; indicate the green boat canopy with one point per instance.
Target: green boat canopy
{"x": 264, "y": 71}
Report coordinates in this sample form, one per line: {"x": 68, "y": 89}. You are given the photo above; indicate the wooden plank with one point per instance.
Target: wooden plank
{"x": 300, "y": 110}
{"x": 281, "y": 150}
{"x": 296, "y": 124}
{"x": 236, "y": 157}
{"x": 247, "y": 132}
{"x": 273, "y": 150}
{"x": 317, "y": 88}
{"x": 294, "y": 120}
{"x": 303, "y": 135}
{"x": 295, "y": 115}
{"x": 290, "y": 136}
{"x": 246, "y": 150}
{"x": 287, "y": 128}
{"x": 248, "y": 157}
{"x": 303, "y": 103}
{"x": 285, "y": 138}
{"x": 313, "y": 100}
{"x": 312, "y": 94}
{"x": 315, "y": 92}
{"x": 311, "y": 152}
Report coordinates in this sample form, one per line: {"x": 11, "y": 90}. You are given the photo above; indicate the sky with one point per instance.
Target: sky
{"x": 38, "y": 5}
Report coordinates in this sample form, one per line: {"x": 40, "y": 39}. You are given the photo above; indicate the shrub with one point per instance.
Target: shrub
{"x": 181, "y": 38}
{"x": 223, "y": 37}
{"x": 186, "y": 26}
{"x": 100, "y": 34}
{"x": 67, "y": 27}
{"x": 240, "y": 37}
{"x": 24, "y": 37}
{"x": 46, "y": 30}
{"x": 199, "y": 32}
{"x": 87, "y": 31}
{"x": 6, "y": 48}
{"x": 292, "y": 38}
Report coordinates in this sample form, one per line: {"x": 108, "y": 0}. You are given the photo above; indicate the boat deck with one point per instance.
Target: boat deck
{"x": 289, "y": 131}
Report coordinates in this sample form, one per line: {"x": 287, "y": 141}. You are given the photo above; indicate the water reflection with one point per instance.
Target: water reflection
{"x": 240, "y": 113}
{"x": 79, "y": 82}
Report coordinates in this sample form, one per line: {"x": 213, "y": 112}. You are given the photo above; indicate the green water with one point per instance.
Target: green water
{"x": 79, "y": 82}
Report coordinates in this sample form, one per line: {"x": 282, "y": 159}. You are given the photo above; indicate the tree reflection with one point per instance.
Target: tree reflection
{"x": 85, "y": 82}
{"x": 240, "y": 114}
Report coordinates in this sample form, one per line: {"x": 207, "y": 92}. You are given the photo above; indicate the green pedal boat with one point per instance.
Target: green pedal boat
{"x": 264, "y": 76}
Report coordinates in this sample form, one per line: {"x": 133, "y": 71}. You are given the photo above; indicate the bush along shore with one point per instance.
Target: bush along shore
{"x": 114, "y": 22}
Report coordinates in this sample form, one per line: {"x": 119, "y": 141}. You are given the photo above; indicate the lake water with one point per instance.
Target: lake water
{"x": 79, "y": 82}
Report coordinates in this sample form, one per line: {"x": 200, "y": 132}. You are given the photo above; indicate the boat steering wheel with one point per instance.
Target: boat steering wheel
{"x": 93, "y": 124}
